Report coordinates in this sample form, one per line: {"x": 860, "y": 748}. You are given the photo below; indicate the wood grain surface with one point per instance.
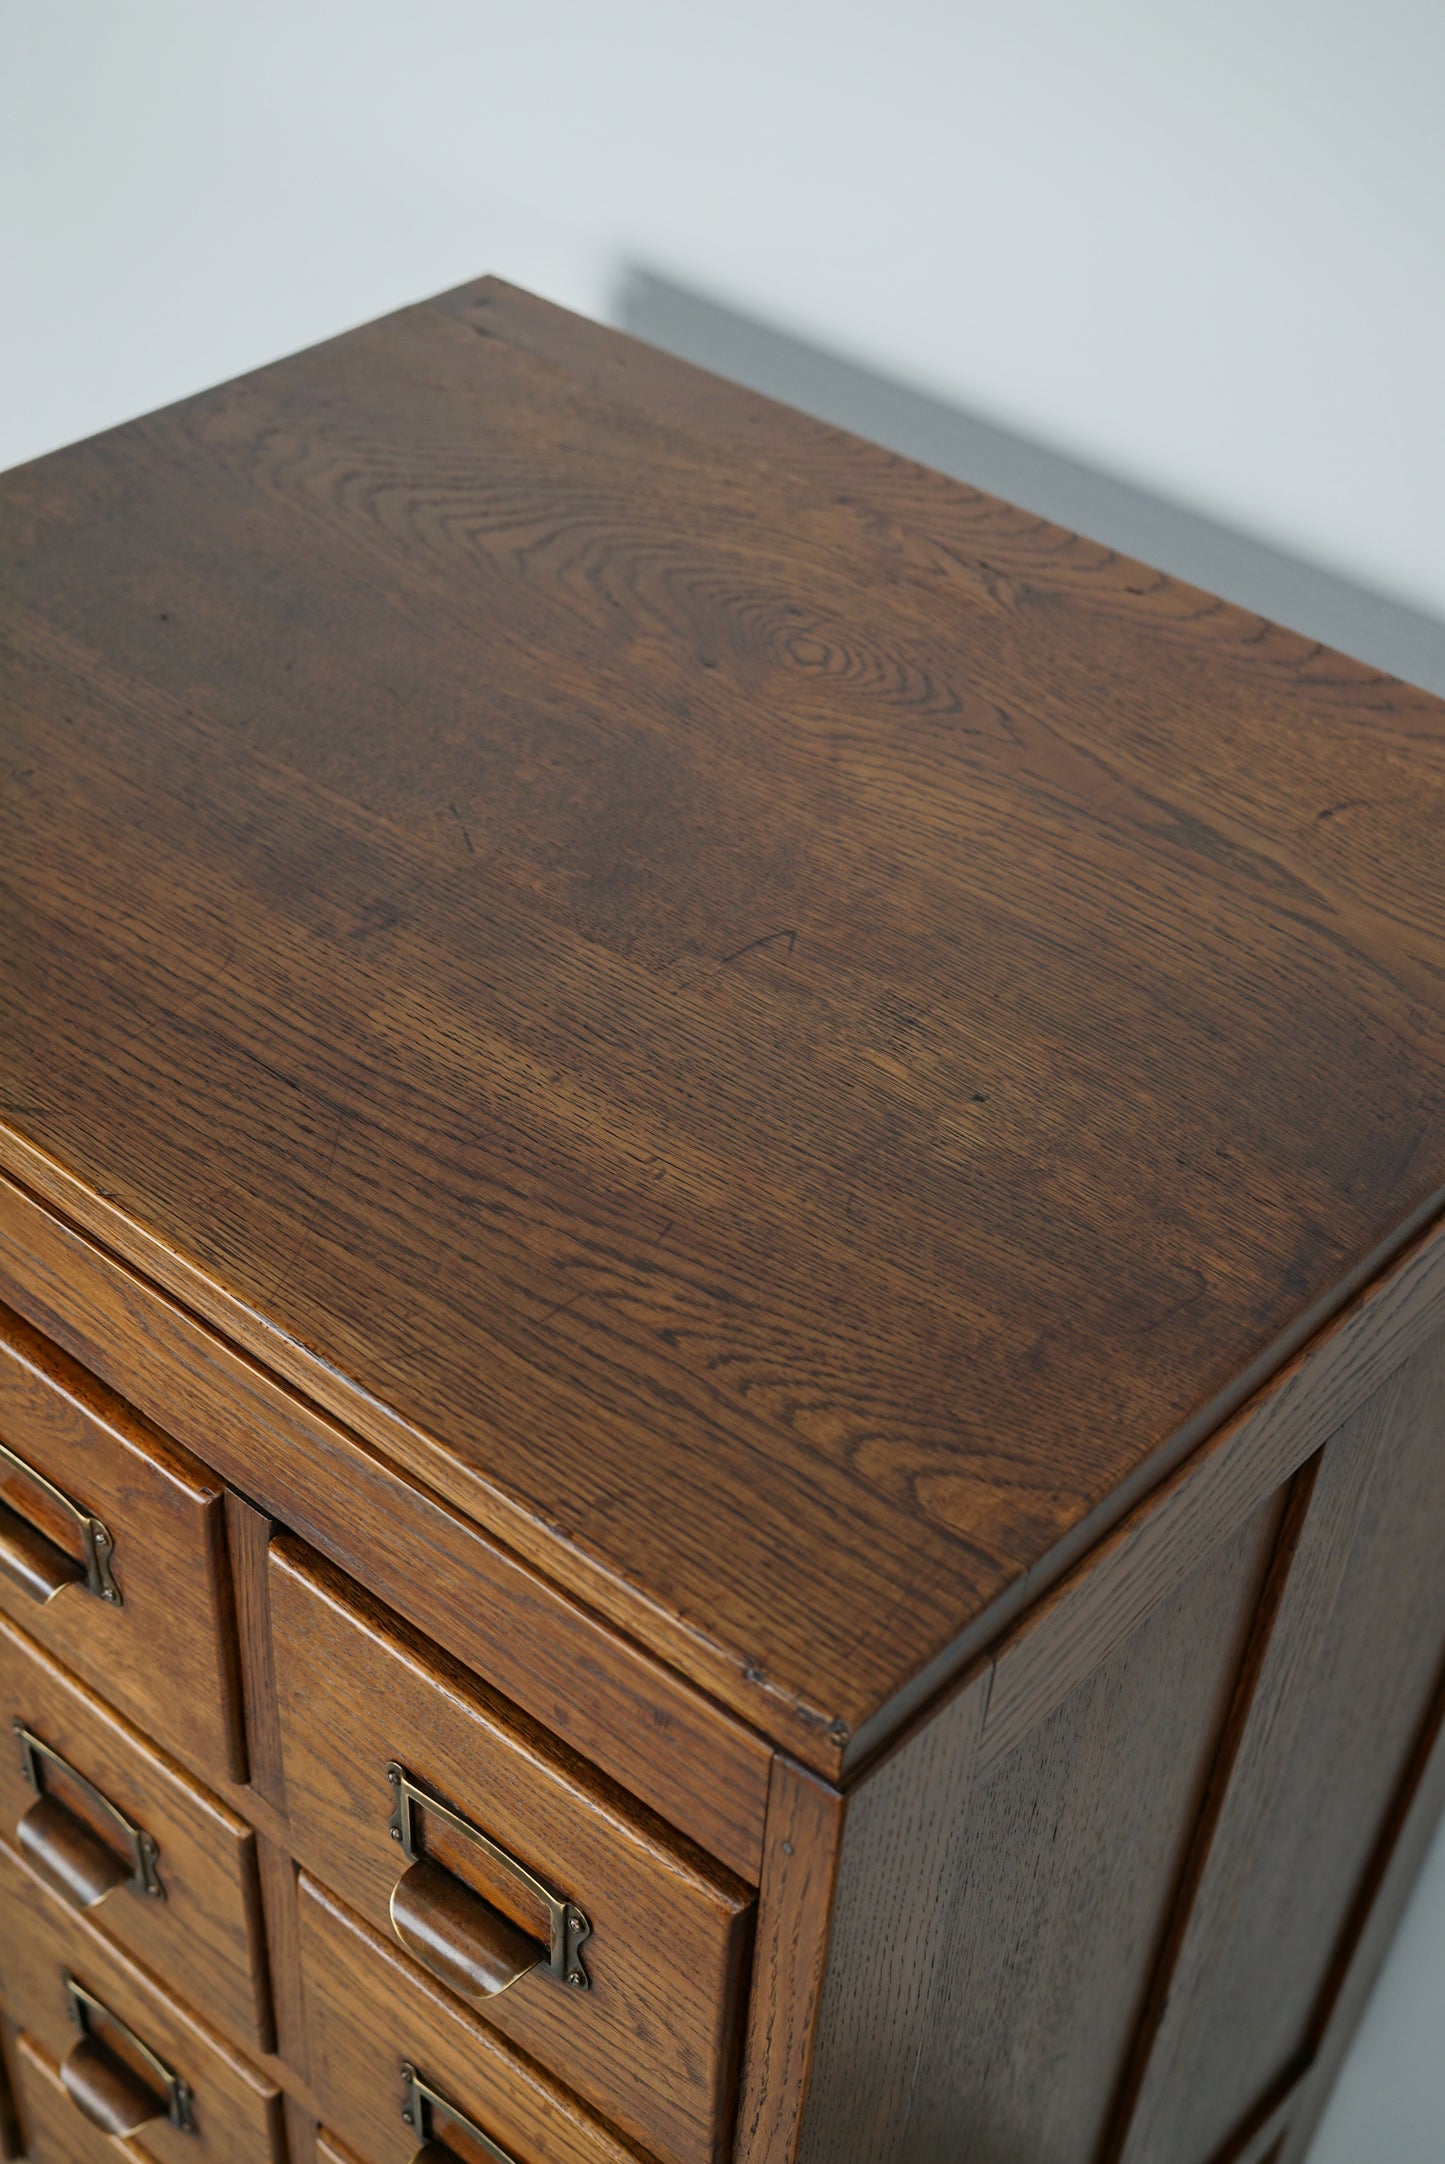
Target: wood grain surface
{"x": 652, "y": 2043}
{"x": 1101, "y": 1603}
{"x": 788, "y": 1027}
{"x": 795, "y": 1919}
{"x": 1136, "y": 1913}
{"x": 237, "y": 2110}
{"x": 369, "y": 2007}
{"x": 625, "y": 1710}
{"x": 204, "y": 1936}
{"x": 1353, "y": 1653}
{"x": 997, "y": 1924}
{"x": 54, "y": 2130}
{"x": 166, "y": 1652}
{"x": 894, "y": 1898}
{"x": 1405, "y": 1844}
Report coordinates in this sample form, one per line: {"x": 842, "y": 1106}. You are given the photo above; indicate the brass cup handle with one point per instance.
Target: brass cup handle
{"x": 80, "y": 1864}
{"x": 453, "y": 1932}
{"x": 40, "y": 1566}
{"x": 422, "y": 2106}
{"x": 466, "y": 1943}
{"x": 108, "y": 2091}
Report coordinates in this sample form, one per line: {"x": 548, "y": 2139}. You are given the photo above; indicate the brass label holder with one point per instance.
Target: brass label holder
{"x": 422, "y": 2105}
{"x": 97, "y": 1543}
{"x": 569, "y": 1928}
{"x": 85, "y": 2008}
{"x": 36, "y": 1755}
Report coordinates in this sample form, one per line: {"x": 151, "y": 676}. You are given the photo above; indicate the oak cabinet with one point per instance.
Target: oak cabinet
{"x": 722, "y": 1294}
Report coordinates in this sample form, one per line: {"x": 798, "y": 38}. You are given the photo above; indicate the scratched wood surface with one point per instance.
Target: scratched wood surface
{"x": 788, "y": 1024}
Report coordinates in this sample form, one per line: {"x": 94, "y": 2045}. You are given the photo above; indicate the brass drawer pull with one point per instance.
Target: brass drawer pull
{"x": 422, "y": 2104}
{"x": 39, "y": 1565}
{"x": 110, "y": 2092}
{"x": 71, "y": 1856}
{"x": 452, "y": 1931}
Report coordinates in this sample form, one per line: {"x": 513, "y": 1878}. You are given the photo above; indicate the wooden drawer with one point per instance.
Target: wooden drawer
{"x": 370, "y": 2011}
{"x": 112, "y": 1551}
{"x": 201, "y": 1930}
{"x": 49, "y": 1957}
{"x": 650, "y": 2041}
{"x": 53, "y": 2130}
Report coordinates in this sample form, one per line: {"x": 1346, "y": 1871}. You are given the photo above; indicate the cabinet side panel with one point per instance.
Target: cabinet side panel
{"x": 1406, "y": 1844}
{"x": 1074, "y": 1847}
{"x": 997, "y": 1923}
{"x": 1331, "y": 1730}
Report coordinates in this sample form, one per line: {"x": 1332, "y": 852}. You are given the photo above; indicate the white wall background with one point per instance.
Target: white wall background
{"x": 1203, "y": 248}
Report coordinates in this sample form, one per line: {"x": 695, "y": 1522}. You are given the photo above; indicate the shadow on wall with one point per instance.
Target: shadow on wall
{"x": 1317, "y": 603}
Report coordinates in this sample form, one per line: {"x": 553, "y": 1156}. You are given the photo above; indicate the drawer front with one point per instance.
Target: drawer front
{"x": 54, "y": 2131}
{"x": 371, "y": 2013}
{"x": 120, "y": 1832}
{"x": 393, "y": 1753}
{"x": 128, "y": 2052}
{"x": 112, "y": 1552}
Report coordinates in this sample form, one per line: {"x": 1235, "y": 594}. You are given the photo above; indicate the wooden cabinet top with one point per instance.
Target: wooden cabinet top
{"x": 784, "y": 1032}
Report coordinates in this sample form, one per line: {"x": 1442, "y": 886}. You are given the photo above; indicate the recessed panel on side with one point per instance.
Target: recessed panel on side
{"x": 1056, "y": 1871}
{"x": 1353, "y": 1660}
